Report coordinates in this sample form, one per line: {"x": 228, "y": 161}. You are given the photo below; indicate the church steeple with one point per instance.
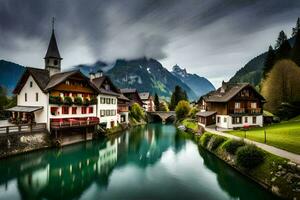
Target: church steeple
{"x": 52, "y": 57}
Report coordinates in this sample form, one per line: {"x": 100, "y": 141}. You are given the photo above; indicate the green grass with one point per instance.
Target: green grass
{"x": 285, "y": 135}
{"x": 295, "y": 118}
{"x": 190, "y": 123}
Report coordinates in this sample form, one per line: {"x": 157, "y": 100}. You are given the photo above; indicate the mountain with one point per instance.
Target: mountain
{"x": 252, "y": 71}
{"x": 99, "y": 65}
{"x": 199, "y": 85}
{"x": 10, "y": 74}
{"x": 147, "y": 75}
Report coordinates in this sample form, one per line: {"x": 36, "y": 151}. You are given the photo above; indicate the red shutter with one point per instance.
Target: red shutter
{"x": 91, "y": 109}
{"x": 74, "y": 110}
{"x": 83, "y": 110}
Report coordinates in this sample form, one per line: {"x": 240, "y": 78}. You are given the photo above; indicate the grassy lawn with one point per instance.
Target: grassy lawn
{"x": 190, "y": 123}
{"x": 285, "y": 135}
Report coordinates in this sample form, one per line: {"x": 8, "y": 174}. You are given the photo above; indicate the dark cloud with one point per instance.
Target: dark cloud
{"x": 201, "y": 35}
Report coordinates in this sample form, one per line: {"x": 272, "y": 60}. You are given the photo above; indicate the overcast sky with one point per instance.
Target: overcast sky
{"x": 213, "y": 38}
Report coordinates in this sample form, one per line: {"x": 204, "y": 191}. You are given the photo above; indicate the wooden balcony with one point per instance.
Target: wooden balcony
{"x": 122, "y": 108}
{"x": 254, "y": 110}
{"x": 251, "y": 111}
{"x": 239, "y": 111}
{"x": 22, "y": 128}
{"x": 73, "y": 122}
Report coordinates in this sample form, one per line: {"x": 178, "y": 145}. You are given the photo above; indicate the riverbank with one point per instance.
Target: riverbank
{"x": 276, "y": 174}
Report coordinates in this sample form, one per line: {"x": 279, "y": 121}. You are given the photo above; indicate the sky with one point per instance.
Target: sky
{"x": 212, "y": 38}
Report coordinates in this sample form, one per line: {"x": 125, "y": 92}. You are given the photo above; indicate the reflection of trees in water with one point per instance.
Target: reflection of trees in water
{"x": 231, "y": 181}
{"x": 67, "y": 172}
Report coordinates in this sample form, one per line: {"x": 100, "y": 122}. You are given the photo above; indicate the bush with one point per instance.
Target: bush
{"x": 86, "y": 102}
{"x": 163, "y": 106}
{"x": 205, "y": 138}
{"x": 137, "y": 112}
{"x": 249, "y": 156}
{"x": 56, "y": 100}
{"x": 78, "y": 101}
{"x": 182, "y": 109}
{"x": 93, "y": 101}
{"x": 232, "y": 145}
{"x": 68, "y": 101}
{"x": 193, "y": 112}
{"x": 215, "y": 141}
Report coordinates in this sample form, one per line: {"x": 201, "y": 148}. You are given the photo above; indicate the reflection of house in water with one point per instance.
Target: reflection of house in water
{"x": 108, "y": 156}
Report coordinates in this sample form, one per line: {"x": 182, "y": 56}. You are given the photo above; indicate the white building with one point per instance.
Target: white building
{"x": 148, "y": 103}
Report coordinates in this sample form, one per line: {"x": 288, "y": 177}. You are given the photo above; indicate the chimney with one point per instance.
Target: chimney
{"x": 224, "y": 87}
{"x": 99, "y": 73}
{"x": 92, "y": 75}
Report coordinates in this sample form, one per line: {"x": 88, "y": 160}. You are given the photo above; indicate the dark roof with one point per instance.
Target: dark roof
{"x": 128, "y": 90}
{"x": 40, "y": 76}
{"x": 144, "y": 95}
{"x": 227, "y": 92}
{"x": 53, "y": 51}
{"x": 122, "y": 97}
{"x": 206, "y": 113}
{"x": 98, "y": 82}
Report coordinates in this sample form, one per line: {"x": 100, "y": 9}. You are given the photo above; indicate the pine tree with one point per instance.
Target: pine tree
{"x": 156, "y": 102}
{"x": 296, "y": 49}
{"x": 297, "y": 28}
{"x": 284, "y": 51}
{"x": 269, "y": 62}
{"x": 280, "y": 40}
{"x": 177, "y": 96}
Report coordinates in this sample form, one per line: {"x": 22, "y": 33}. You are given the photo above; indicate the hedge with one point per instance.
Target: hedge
{"x": 249, "y": 156}
{"x": 216, "y": 141}
{"x": 232, "y": 145}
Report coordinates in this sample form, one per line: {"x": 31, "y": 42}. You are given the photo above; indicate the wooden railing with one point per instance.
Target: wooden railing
{"x": 77, "y": 123}
{"x": 246, "y": 111}
{"x": 122, "y": 108}
{"x": 24, "y": 128}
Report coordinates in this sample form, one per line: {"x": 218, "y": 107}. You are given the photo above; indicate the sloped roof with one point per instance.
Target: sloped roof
{"x": 40, "y": 76}
{"x": 206, "y": 113}
{"x": 98, "y": 82}
{"x": 144, "y": 95}
{"x": 122, "y": 97}
{"x": 59, "y": 78}
{"x": 229, "y": 91}
{"x": 128, "y": 90}
{"x": 52, "y": 51}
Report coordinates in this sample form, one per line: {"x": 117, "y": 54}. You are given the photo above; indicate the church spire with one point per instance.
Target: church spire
{"x": 52, "y": 57}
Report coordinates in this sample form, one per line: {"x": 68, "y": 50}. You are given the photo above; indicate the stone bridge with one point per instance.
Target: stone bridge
{"x": 162, "y": 114}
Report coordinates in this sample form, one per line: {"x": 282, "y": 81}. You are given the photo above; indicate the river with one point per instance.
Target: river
{"x": 151, "y": 162}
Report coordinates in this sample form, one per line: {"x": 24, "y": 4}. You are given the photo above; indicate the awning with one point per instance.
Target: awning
{"x": 27, "y": 109}
{"x": 206, "y": 113}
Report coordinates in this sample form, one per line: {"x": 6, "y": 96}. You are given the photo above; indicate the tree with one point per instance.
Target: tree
{"x": 281, "y": 38}
{"x": 137, "y": 112}
{"x": 182, "y": 109}
{"x": 178, "y": 95}
{"x": 284, "y": 51}
{"x": 163, "y": 106}
{"x": 296, "y": 29}
{"x": 269, "y": 62}
{"x": 156, "y": 102}
{"x": 296, "y": 49}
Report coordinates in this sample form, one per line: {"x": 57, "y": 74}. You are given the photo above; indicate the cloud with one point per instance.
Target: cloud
{"x": 212, "y": 38}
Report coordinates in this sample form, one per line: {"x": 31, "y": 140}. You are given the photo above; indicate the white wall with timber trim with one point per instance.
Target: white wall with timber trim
{"x": 31, "y": 92}
{"x": 148, "y": 104}
{"x": 70, "y": 115}
{"x": 226, "y": 121}
{"x": 123, "y": 114}
{"x": 105, "y": 106}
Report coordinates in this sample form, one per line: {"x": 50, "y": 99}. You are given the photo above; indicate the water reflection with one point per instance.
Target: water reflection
{"x": 100, "y": 168}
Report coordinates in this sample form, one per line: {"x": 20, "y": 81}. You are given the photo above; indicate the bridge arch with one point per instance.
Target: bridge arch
{"x": 163, "y": 115}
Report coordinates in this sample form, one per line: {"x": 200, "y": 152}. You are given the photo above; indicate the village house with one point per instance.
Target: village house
{"x": 148, "y": 103}
{"x": 123, "y": 109}
{"x": 107, "y": 99}
{"x": 133, "y": 95}
{"x": 231, "y": 106}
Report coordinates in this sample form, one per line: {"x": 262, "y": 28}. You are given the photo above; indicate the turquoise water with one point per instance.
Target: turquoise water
{"x": 151, "y": 162}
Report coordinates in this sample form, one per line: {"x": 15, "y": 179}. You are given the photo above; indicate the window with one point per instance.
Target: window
{"x": 225, "y": 119}
{"x": 53, "y": 110}
{"x": 25, "y": 97}
{"x": 36, "y": 97}
{"x": 218, "y": 119}
{"x": 237, "y": 105}
{"x": 55, "y": 62}
{"x": 107, "y": 113}
{"x": 91, "y": 109}
{"x": 83, "y": 110}
{"x": 107, "y": 100}
{"x": 30, "y": 83}
{"x": 65, "y": 110}
{"x": 246, "y": 119}
{"x": 66, "y": 94}
{"x": 107, "y": 87}
{"x": 236, "y": 120}
{"x": 67, "y": 82}
{"x": 102, "y": 100}
{"x": 254, "y": 120}
{"x": 102, "y": 113}
{"x": 74, "y": 110}
{"x": 253, "y": 105}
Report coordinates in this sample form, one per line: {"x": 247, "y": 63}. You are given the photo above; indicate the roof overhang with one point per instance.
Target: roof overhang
{"x": 206, "y": 113}
{"x": 27, "y": 109}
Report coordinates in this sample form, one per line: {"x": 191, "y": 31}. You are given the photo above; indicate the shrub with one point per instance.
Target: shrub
{"x": 55, "y": 100}
{"x": 93, "y": 101}
{"x": 78, "y": 101}
{"x": 86, "y": 102}
{"x": 216, "y": 141}
{"x": 232, "y": 145}
{"x": 205, "y": 138}
{"x": 182, "y": 109}
{"x": 68, "y": 101}
{"x": 249, "y": 156}
{"x": 163, "y": 106}
{"x": 136, "y": 111}
{"x": 193, "y": 112}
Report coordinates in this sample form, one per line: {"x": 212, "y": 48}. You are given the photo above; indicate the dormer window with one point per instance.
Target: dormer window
{"x": 55, "y": 62}
{"x": 67, "y": 82}
{"x": 107, "y": 87}
{"x": 31, "y": 84}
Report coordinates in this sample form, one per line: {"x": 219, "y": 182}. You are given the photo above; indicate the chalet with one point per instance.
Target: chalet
{"x": 107, "y": 99}
{"x": 231, "y": 106}
{"x": 123, "y": 109}
{"x": 148, "y": 101}
{"x": 61, "y": 100}
{"x": 133, "y": 95}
